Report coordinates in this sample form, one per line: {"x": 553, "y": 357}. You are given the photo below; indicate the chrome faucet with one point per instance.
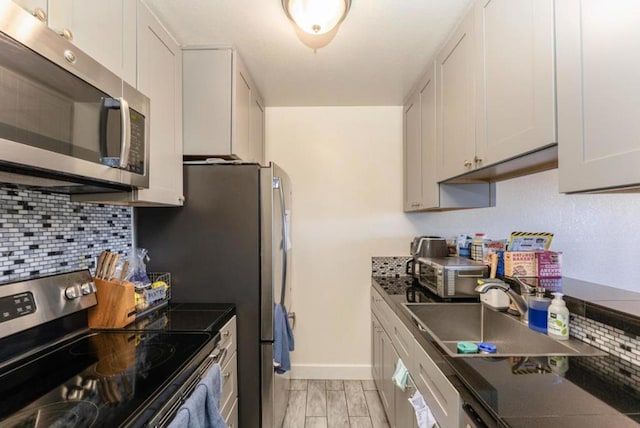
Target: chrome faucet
{"x": 519, "y": 300}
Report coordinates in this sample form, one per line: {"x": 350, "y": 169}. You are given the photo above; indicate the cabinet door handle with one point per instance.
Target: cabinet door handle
{"x": 66, "y": 33}
{"x": 477, "y": 160}
{"x": 467, "y": 164}
{"x": 40, "y": 14}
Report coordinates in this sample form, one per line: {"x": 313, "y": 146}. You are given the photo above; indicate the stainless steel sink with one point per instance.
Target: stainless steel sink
{"x": 450, "y": 323}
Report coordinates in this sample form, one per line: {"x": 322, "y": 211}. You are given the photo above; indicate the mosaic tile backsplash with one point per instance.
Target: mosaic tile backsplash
{"x": 45, "y": 233}
{"x": 389, "y": 266}
{"x": 622, "y": 365}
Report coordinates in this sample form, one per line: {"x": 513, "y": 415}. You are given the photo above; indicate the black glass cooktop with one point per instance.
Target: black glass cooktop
{"x": 103, "y": 379}
{"x": 185, "y": 317}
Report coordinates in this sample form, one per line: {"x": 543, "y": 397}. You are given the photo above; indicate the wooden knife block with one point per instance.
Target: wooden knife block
{"x": 116, "y": 306}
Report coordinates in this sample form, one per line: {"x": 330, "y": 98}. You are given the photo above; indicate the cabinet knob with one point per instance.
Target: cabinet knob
{"x": 477, "y": 160}
{"x": 415, "y": 205}
{"x": 66, "y": 33}
{"x": 467, "y": 164}
{"x": 70, "y": 57}
{"x": 40, "y": 14}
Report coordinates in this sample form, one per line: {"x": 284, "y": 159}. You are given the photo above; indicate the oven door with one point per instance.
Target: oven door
{"x": 427, "y": 275}
{"x": 182, "y": 387}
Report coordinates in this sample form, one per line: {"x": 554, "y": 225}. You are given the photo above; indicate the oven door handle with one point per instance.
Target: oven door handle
{"x": 218, "y": 355}
{"x": 471, "y": 417}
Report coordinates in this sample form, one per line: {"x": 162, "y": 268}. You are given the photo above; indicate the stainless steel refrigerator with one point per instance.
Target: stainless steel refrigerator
{"x": 230, "y": 243}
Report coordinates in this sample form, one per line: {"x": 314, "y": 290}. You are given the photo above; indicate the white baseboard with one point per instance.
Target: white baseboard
{"x": 311, "y": 371}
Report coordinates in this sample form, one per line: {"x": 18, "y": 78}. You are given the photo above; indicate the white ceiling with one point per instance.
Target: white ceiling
{"x": 378, "y": 53}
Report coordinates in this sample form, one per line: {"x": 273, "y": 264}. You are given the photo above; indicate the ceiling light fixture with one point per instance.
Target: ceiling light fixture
{"x": 316, "y": 16}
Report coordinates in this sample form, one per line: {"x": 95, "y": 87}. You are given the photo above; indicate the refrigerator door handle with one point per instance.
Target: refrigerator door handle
{"x": 285, "y": 238}
{"x": 292, "y": 318}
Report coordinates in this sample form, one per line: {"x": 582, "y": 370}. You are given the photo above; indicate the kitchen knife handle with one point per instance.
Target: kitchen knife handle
{"x": 105, "y": 266}
{"x": 100, "y": 263}
{"x": 112, "y": 266}
{"x": 123, "y": 272}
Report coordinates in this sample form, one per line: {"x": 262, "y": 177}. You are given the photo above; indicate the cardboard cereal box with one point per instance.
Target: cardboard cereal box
{"x": 520, "y": 263}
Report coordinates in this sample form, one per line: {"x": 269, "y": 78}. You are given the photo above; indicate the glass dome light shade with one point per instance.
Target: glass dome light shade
{"x": 316, "y": 16}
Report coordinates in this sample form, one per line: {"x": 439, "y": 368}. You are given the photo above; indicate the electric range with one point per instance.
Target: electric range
{"x": 55, "y": 372}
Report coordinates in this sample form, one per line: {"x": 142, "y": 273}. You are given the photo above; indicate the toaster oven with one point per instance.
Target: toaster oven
{"x": 450, "y": 277}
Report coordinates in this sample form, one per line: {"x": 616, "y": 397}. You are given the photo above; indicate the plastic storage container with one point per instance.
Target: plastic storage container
{"x": 538, "y": 313}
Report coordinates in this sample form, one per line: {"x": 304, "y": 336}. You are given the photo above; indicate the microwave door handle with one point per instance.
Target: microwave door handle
{"x": 120, "y": 103}
{"x": 125, "y": 133}
{"x": 106, "y": 104}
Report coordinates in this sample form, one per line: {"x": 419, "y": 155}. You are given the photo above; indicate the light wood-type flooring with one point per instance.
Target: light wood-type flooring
{"x": 334, "y": 404}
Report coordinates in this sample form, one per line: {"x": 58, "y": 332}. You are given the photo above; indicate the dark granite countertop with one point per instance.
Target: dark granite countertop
{"x": 532, "y": 392}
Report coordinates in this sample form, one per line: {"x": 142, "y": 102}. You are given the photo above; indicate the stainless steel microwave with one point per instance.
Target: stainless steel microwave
{"x": 66, "y": 122}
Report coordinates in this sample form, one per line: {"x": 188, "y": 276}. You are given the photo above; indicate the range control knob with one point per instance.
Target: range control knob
{"x": 88, "y": 288}
{"x": 73, "y": 292}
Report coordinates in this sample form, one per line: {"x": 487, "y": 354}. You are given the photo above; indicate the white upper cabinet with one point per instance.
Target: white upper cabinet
{"x": 206, "y": 96}
{"x": 37, "y": 8}
{"x": 496, "y": 92}
{"x": 241, "y": 113}
{"x": 421, "y": 188}
{"x": 598, "y": 92}
{"x": 256, "y": 128}
{"x": 220, "y": 106}
{"x": 412, "y": 154}
{"x": 102, "y": 29}
{"x": 515, "y": 95}
{"x": 430, "y": 194}
{"x": 422, "y": 191}
{"x": 455, "y": 128}
{"x": 160, "y": 78}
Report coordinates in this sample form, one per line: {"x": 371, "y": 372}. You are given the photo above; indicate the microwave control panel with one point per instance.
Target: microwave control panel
{"x": 137, "y": 152}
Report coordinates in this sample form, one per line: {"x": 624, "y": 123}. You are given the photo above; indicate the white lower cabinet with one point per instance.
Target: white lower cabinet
{"x": 229, "y": 373}
{"x": 388, "y": 391}
{"x": 440, "y": 395}
{"x": 405, "y": 415}
{"x": 392, "y": 340}
{"x": 384, "y": 359}
{"x": 232, "y": 419}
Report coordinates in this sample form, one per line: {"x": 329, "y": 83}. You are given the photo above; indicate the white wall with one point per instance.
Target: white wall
{"x": 344, "y": 163}
{"x": 346, "y": 167}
